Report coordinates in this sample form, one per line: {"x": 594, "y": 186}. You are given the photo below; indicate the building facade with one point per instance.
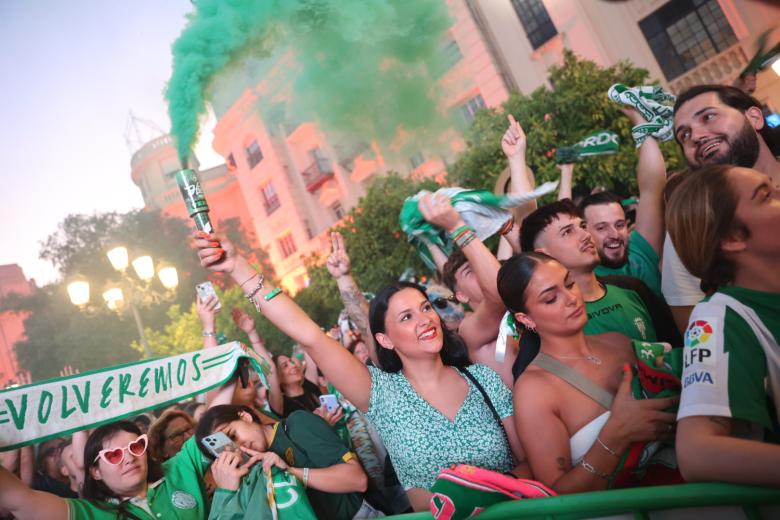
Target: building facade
{"x": 12, "y": 280}
{"x": 291, "y": 183}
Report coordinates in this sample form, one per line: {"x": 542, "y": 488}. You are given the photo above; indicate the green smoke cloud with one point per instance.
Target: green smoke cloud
{"x": 363, "y": 68}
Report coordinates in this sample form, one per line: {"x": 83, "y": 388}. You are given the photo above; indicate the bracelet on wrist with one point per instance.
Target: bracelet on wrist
{"x": 257, "y": 288}
{"x": 273, "y": 294}
{"x": 211, "y": 334}
{"x": 609, "y": 450}
{"x": 590, "y": 468}
{"x": 459, "y": 231}
{"x": 306, "y": 477}
{"x": 466, "y": 239}
{"x": 507, "y": 227}
{"x": 245, "y": 281}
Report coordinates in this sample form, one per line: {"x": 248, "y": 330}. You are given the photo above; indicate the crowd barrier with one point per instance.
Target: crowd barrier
{"x": 710, "y": 501}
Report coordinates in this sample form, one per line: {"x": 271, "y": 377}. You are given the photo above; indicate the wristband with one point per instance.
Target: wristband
{"x": 305, "y": 477}
{"x": 271, "y": 295}
{"x": 209, "y": 334}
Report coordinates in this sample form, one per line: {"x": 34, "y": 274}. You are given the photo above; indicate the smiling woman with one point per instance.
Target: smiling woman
{"x": 430, "y": 410}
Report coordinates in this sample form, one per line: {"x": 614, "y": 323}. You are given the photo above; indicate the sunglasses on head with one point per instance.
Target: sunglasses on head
{"x": 115, "y": 456}
{"x": 441, "y": 303}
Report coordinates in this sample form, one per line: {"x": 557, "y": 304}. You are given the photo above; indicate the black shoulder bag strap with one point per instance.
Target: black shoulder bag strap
{"x": 479, "y": 387}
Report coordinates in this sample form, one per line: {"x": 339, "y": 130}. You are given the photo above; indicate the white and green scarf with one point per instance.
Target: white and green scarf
{"x": 34, "y": 413}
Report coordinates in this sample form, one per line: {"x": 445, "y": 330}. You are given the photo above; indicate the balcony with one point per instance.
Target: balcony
{"x": 720, "y": 69}
{"x": 317, "y": 174}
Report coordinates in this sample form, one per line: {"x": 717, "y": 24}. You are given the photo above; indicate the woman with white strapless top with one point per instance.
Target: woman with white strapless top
{"x": 572, "y": 406}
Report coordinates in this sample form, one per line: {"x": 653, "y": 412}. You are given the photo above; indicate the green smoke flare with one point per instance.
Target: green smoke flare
{"x": 364, "y": 68}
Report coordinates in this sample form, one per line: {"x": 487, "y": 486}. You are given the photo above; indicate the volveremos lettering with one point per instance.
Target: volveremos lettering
{"x": 18, "y": 416}
{"x": 124, "y": 384}
{"x": 698, "y": 377}
{"x": 106, "y": 392}
{"x": 142, "y": 391}
{"x": 44, "y": 406}
{"x": 197, "y": 368}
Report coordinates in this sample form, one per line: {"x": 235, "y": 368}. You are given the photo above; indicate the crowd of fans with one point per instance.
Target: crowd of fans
{"x": 421, "y": 384}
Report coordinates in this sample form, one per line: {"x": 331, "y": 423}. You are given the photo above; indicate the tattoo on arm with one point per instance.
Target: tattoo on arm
{"x": 357, "y": 308}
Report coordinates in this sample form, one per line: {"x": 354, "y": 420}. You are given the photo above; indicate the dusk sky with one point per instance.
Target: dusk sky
{"x": 71, "y": 74}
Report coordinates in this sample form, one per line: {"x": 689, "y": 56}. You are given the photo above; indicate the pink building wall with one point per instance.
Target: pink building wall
{"x": 12, "y": 280}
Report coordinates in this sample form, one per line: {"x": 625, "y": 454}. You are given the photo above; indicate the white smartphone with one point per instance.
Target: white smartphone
{"x": 218, "y": 442}
{"x": 205, "y": 290}
{"x": 329, "y": 401}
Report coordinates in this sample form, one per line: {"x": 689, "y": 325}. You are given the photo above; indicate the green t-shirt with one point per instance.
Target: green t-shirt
{"x": 642, "y": 263}
{"x": 180, "y": 494}
{"x": 304, "y": 440}
{"x": 620, "y": 310}
{"x": 725, "y": 366}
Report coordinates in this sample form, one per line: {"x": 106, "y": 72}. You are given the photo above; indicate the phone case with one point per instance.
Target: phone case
{"x": 205, "y": 290}
{"x": 218, "y": 442}
{"x": 329, "y": 401}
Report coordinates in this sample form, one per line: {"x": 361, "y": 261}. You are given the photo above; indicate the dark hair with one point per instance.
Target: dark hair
{"x": 190, "y": 408}
{"x": 731, "y": 96}
{"x": 96, "y": 491}
{"x": 217, "y": 415}
{"x": 453, "y": 351}
{"x": 354, "y": 343}
{"x": 514, "y": 277}
{"x": 538, "y": 221}
{"x": 700, "y": 213}
{"x": 454, "y": 262}
{"x": 596, "y": 199}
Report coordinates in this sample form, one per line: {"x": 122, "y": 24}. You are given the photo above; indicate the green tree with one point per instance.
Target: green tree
{"x": 577, "y": 106}
{"x": 183, "y": 332}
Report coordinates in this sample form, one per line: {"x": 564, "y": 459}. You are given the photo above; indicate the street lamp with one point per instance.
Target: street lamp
{"x": 130, "y": 289}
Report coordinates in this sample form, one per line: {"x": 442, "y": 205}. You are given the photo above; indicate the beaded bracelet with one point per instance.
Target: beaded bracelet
{"x": 271, "y": 295}
{"x": 467, "y": 240}
{"x": 257, "y": 288}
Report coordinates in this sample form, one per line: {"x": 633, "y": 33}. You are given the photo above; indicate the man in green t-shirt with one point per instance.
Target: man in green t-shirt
{"x": 622, "y": 304}
{"x": 637, "y": 254}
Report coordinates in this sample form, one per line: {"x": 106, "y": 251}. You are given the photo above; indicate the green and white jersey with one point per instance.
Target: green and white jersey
{"x": 620, "y": 310}
{"x": 642, "y": 263}
{"x": 725, "y": 367}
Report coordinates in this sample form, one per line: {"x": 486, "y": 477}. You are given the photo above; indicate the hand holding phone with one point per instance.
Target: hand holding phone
{"x": 330, "y": 402}
{"x": 218, "y": 442}
{"x": 206, "y": 290}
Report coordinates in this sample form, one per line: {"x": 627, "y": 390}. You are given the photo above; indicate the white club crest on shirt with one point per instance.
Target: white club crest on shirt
{"x": 183, "y": 500}
{"x": 639, "y": 323}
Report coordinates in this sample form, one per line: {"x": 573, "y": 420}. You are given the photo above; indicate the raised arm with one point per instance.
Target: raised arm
{"x": 346, "y": 373}
{"x": 340, "y": 267}
{"x": 26, "y": 504}
{"x": 651, "y": 180}
{"x": 706, "y": 451}
{"x": 567, "y": 174}
{"x": 245, "y": 322}
{"x": 513, "y": 144}
{"x": 481, "y": 326}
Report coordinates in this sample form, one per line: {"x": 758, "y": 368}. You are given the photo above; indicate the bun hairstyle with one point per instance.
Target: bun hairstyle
{"x": 514, "y": 277}
{"x": 453, "y": 351}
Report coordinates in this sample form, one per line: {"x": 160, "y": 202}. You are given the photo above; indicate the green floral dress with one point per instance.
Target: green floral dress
{"x": 421, "y": 441}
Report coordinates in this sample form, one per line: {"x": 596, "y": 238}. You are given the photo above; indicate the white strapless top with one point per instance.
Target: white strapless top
{"x": 583, "y": 439}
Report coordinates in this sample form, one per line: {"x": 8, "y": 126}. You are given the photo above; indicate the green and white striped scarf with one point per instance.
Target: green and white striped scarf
{"x": 600, "y": 142}
{"x": 483, "y": 211}
{"x": 655, "y": 105}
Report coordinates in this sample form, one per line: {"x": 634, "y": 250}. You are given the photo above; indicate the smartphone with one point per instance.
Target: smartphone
{"x": 329, "y": 401}
{"x": 218, "y": 442}
{"x": 205, "y": 290}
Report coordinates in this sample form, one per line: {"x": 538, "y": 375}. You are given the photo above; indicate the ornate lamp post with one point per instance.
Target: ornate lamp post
{"x": 132, "y": 290}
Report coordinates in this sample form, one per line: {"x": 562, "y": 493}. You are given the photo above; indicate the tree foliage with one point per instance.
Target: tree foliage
{"x": 576, "y": 106}
{"x": 183, "y": 331}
